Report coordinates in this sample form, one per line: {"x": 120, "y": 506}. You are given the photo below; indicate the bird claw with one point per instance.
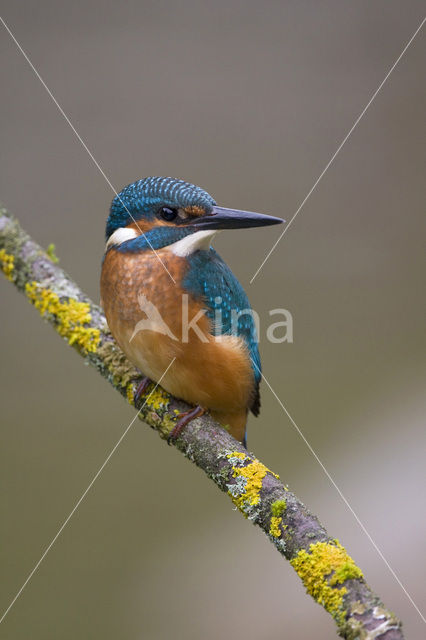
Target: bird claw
{"x": 184, "y": 419}
{"x": 140, "y": 390}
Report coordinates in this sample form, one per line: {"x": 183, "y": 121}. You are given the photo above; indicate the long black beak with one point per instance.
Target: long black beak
{"x": 221, "y": 218}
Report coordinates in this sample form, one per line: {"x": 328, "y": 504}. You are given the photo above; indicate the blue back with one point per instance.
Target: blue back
{"x": 209, "y": 277}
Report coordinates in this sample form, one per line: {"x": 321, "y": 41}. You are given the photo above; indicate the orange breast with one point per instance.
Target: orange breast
{"x": 214, "y": 372}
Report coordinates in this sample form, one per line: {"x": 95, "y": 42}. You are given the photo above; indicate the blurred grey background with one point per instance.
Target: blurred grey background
{"x": 249, "y": 100}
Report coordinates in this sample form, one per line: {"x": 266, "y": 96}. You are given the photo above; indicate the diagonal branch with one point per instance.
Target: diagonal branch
{"x": 327, "y": 571}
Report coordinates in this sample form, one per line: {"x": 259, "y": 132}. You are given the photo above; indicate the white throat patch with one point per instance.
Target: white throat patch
{"x": 192, "y": 243}
{"x": 119, "y": 236}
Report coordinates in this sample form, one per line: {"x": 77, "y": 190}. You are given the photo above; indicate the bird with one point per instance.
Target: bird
{"x": 174, "y": 306}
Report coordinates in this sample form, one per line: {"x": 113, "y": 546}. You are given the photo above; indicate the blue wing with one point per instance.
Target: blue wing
{"x": 210, "y": 277}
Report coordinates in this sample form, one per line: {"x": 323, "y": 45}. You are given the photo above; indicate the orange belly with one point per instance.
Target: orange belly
{"x": 215, "y": 373}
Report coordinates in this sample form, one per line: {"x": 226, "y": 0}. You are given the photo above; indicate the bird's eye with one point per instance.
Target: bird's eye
{"x": 168, "y": 214}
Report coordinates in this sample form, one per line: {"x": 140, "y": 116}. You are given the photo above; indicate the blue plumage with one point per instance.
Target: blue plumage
{"x": 209, "y": 277}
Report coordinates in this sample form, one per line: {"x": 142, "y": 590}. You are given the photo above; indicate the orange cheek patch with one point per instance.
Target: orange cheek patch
{"x": 195, "y": 211}
{"x": 141, "y": 226}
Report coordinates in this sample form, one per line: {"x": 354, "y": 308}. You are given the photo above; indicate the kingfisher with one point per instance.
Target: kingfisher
{"x": 174, "y": 306}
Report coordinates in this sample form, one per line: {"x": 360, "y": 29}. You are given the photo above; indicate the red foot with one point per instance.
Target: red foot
{"x": 140, "y": 390}
{"x": 184, "y": 419}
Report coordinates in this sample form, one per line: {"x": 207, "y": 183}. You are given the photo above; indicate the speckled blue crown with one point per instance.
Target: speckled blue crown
{"x": 144, "y": 197}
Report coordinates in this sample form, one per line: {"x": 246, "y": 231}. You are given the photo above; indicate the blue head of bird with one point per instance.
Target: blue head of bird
{"x": 163, "y": 211}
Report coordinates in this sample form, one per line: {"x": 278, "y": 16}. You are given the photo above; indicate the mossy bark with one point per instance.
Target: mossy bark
{"x": 327, "y": 571}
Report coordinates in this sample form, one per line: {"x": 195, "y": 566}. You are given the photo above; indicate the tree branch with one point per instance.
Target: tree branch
{"x": 324, "y": 566}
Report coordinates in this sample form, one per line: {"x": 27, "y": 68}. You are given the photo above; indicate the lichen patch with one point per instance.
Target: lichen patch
{"x": 72, "y": 318}
{"x": 248, "y": 475}
{"x": 326, "y": 565}
{"x": 277, "y": 509}
{"x": 7, "y": 264}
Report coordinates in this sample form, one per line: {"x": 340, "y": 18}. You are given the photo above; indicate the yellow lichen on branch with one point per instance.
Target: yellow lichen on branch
{"x": 157, "y": 399}
{"x": 245, "y": 493}
{"x": 274, "y": 527}
{"x": 326, "y": 565}
{"x": 71, "y": 316}
{"x": 7, "y": 264}
{"x": 277, "y": 509}
{"x": 130, "y": 394}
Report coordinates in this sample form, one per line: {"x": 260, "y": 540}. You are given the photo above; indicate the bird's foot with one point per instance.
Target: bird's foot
{"x": 140, "y": 390}
{"x": 184, "y": 419}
